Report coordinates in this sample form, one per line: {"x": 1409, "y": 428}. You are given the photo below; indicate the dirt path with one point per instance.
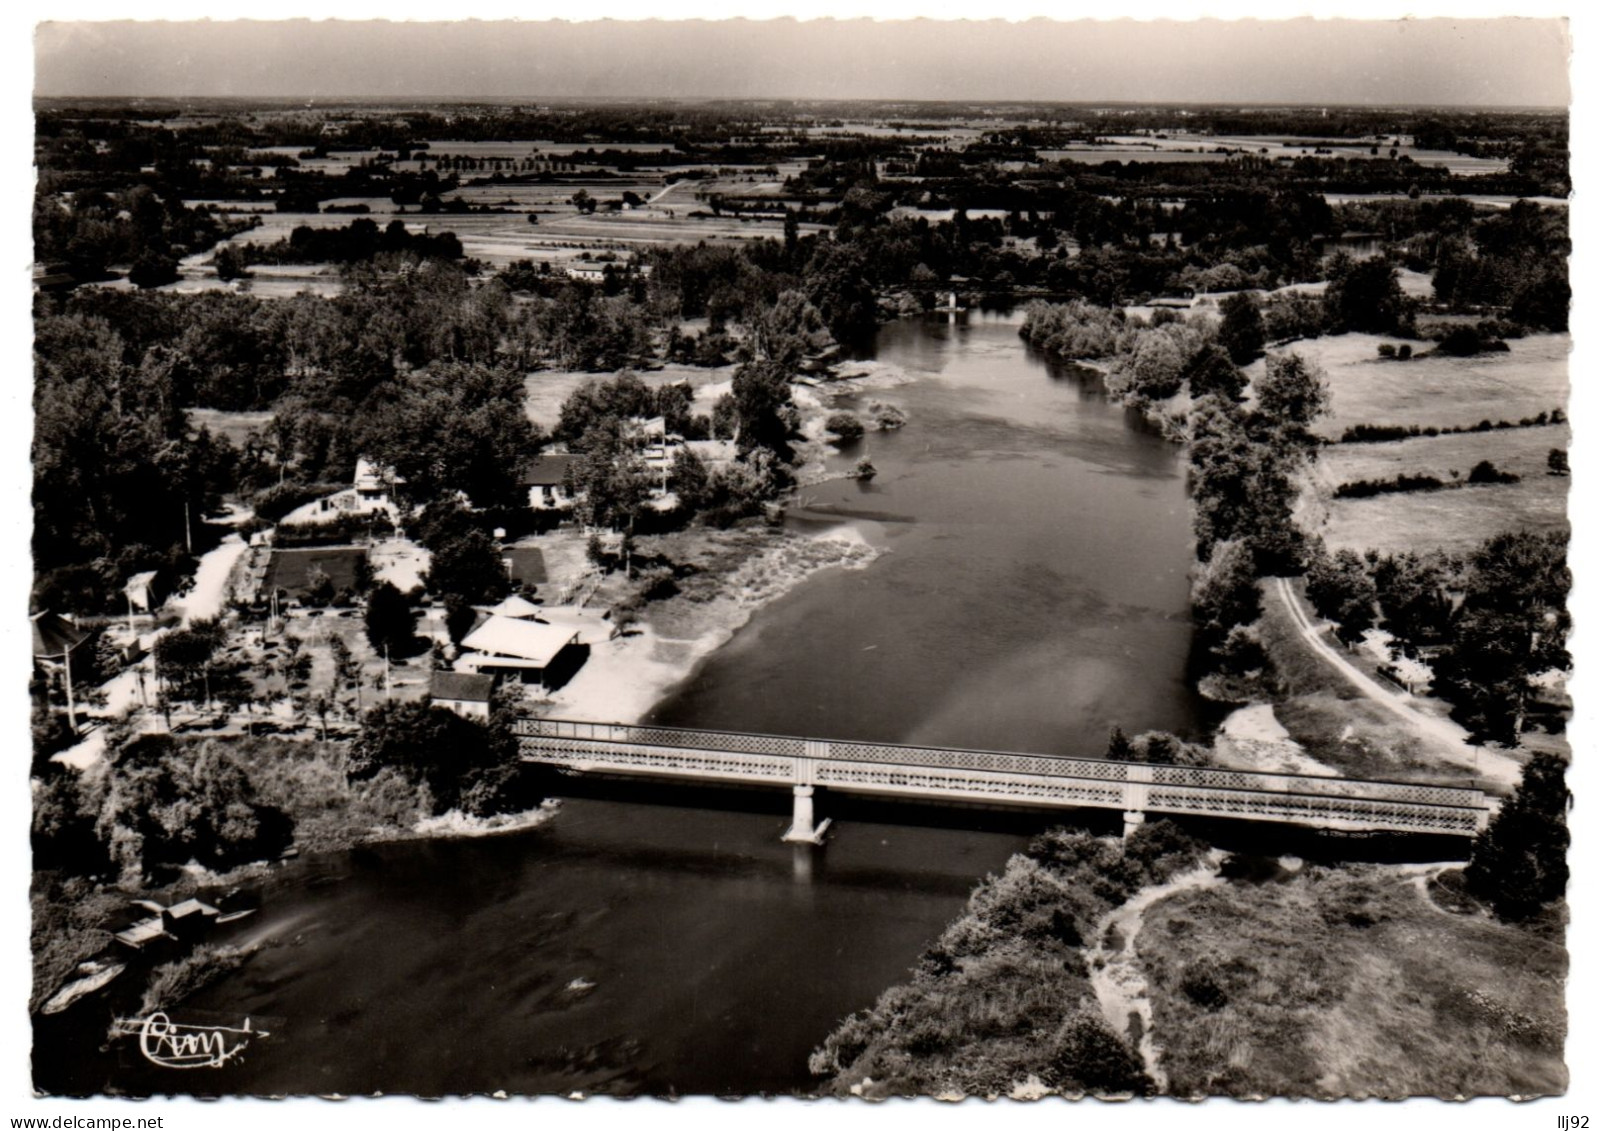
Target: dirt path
{"x": 1448, "y": 736}
{"x": 1115, "y": 972}
{"x": 210, "y": 592}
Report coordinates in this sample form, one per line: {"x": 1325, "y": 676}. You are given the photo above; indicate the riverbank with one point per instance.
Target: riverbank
{"x": 1005, "y": 1002}
{"x": 1142, "y": 968}
{"x": 720, "y": 580}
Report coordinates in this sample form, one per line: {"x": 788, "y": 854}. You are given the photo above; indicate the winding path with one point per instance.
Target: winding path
{"x": 1449, "y": 736}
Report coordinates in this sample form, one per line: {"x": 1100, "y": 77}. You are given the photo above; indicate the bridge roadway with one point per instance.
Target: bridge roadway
{"x": 803, "y": 764}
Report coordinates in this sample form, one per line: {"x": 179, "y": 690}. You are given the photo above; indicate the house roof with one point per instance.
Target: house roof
{"x": 463, "y": 686}
{"x": 519, "y": 639}
{"x": 548, "y": 470}
{"x": 514, "y": 606}
{"x": 54, "y": 636}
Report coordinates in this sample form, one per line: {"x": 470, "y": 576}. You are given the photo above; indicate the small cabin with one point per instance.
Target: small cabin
{"x": 465, "y": 693}
{"x": 547, "y": 482}
{"x": 527, "y": 650}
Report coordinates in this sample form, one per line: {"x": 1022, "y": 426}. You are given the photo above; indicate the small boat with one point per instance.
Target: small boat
{"x": 95, "y": 976}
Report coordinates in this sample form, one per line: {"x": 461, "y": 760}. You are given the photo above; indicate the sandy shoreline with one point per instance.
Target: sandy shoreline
{"x": 627, "y": 676}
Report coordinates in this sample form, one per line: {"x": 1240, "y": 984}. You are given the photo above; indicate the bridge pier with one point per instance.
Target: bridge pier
{"x": 803, "y": 829}
{"x": 1132, "y": 820}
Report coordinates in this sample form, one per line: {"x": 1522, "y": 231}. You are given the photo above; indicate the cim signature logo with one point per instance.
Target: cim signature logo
{"x": 170, "y": 1044}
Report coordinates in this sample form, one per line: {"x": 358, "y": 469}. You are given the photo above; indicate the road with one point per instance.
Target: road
{"x": 209, "y": 595}
{"x": 1448, "y": 737}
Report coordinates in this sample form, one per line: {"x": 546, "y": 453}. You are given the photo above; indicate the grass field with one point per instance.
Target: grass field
{"x": 290, "y": 569}
{"x": 1350, "y": 982}
{"x": 1443, "y": 392}
{"x": 1457, "y": 519}
{"x": 236, "y": 426}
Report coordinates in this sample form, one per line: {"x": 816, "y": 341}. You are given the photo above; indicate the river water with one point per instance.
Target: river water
{"x": 1032, "y": 596}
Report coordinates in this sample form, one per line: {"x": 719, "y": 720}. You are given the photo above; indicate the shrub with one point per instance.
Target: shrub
{"x": 1201, "y": 983}
{"x": 846, "y": 426}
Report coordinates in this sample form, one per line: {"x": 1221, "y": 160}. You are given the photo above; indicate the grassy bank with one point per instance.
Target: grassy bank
{"x": 1351, "y": 982}
{"x": 1003, "y": 1002}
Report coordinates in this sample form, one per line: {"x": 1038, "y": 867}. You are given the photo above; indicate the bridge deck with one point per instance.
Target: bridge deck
{"x": 1028, "y": 779}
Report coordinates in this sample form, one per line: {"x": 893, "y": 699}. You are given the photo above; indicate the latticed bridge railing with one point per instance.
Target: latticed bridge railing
{"x": 999, "y": 776}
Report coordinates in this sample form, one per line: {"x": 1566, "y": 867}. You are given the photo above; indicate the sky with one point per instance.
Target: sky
{"x": 1483, "y": 62}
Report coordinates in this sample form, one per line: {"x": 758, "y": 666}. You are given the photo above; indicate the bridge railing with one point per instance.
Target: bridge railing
{"x": 1151, "y": 775}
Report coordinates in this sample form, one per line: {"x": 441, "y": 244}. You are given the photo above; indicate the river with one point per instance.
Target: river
{"x": 1033, "y": 594}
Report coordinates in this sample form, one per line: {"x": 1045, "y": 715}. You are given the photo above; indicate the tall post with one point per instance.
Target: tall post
{"x": 66, "y": 668}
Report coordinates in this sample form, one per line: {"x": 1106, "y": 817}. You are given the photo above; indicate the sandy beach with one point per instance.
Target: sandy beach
{"x": 626, "y": 676}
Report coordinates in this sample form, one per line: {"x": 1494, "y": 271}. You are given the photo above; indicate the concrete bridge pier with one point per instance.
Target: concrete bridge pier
{"x": 804, "y": 829}
{"x": 1132, "y": 820}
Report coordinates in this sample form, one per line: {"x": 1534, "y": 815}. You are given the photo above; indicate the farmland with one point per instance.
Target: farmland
{"x": 1443, "y": 392}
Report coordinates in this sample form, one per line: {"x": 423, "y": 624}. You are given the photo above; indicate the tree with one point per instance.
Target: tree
{"x": 1289, "y": 397}
{"x": 788, "y": 329}
{"x": 183, "y": 659}
{"x": 230, "y": 263}
{"x": 468, "y": 564}
{"x": 1342, "y": 591}
{"x": 465, "y": 764}
{"x": 1365, "y": 297}
{"x": 764, "y": 410}
{"x": 690, "y": 480}
{"x": 1413, "y": 592}
{"x": 1211, "y": 372}
{"x": 1243, "y": 330}
{"x": 1558, "y": 463}
{"x": 390, "y": 621}
{"x": 1119, "y": 749}
{"x": 346, "y": 668}
{"x": 1518, "y": 863}
{"x": 452, "y": 427}
{"x": 1225, "y": 593}
{"x": 1511, "y": 627}
{"x": 168, "y": 803}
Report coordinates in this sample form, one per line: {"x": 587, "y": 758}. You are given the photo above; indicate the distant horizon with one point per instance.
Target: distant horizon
{"x": 331, "y": 100}
{"x": 1503, "y": 63}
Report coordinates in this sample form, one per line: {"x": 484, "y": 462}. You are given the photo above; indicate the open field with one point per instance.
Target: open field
{"x": 291, "y": 569}
{"x": 1335, "y": 983}
{"x": 1455, "y": 519}
{"x": 1444, "y": 391}
{"x": 234, "y": 426}
{"x": 1205, "y": 147}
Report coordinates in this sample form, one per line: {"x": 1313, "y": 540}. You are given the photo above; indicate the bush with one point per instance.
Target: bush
{"x": 1085, "y": 1056}
{"x": 1201, "y": 983}
{"x": 279, "y": 499}
{"x": 846, "y": 426}
{"x": 1485, "y": 472}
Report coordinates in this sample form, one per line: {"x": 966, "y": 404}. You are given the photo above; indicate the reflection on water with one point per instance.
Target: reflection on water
{"x": 1036, "y": 591}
